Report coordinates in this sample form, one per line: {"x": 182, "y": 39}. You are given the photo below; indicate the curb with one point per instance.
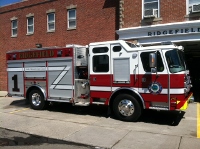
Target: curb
{"x": 3, "y": 93}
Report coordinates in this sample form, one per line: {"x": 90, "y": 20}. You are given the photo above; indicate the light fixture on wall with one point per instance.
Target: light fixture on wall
{"x": 38, "y": 45}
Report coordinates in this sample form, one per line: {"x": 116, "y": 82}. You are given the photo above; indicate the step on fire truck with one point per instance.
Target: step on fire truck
{"x": 126, "y": 77}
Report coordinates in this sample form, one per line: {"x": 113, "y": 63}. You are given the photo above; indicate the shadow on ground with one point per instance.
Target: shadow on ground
{"x": 18, "y": 103}
{"x": 13, "y": 138}
{"x": 171, "y": 118}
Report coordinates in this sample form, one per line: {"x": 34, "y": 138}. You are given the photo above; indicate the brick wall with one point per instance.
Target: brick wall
{"x": 170, "y": 11}
{"x": 132, "y": 13}
{"x": 96, "y": 21}
{"x": 173, "y": 11}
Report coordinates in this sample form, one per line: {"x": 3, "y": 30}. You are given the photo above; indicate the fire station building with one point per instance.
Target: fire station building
{"x": 47, "y": 23}
{"x": 150, "y": 22}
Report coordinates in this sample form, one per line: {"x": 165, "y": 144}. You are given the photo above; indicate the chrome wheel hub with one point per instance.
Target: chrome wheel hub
{"x": 126, "y": 107}
{"x": 36, "y": 99}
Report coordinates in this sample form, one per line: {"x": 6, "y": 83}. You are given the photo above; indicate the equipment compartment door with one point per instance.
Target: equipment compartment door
{"x": 154, "y": 87}
{"x": 60, "y": 79}
{"x": 124, "y": 68}
{"x": 100, "y": 71}
{"x": 15, "y": 79}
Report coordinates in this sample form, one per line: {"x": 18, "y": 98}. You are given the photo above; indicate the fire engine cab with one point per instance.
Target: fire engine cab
{"x": 126, "y": 77}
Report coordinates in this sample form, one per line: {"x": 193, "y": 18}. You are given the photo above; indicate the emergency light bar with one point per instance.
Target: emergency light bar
{"x": 167, "y": 43}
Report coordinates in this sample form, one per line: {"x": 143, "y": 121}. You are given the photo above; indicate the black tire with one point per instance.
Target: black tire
{"x": 126, "y": 108}
{"x": 36, "y": 100}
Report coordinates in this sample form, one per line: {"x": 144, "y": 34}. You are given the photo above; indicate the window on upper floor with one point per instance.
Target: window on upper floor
{"x": 194, "y": 6}
{"x": 50, "y": 22}
{"x": 71, "y": 14}
{"x": 14, "y": 24}
{"x": 151, "y": 8}
{"x": 30, "y": 25}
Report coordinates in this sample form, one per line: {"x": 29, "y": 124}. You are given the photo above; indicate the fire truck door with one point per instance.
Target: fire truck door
{"x": 100, "y": 71}
{"x": 154, "y": 86}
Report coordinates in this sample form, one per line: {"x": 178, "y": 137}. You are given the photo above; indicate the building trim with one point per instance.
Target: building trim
{"x": 162, "y": 32}
{"x": 30, "y": 15}
{"x": 13, "y": 18}
{"x": 51, "y": 11}
{"x": 71, "y": 7}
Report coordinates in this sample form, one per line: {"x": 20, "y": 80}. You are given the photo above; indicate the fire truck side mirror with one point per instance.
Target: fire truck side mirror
{"x": 153, "y": 60}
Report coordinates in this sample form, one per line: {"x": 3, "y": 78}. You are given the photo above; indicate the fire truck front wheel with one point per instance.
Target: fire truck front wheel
{"x": 36, "y": 99}
{"x": 126, "y": 108}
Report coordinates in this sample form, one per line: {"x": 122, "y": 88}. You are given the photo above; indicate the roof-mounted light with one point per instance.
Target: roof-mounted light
{"x": 167, "y": 43}
{"x": 14, "y": 56}
{"x": 59, "y": 53}
{"x": 181, "y": 48}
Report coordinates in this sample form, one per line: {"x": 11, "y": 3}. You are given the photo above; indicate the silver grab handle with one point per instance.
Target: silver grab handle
{"x": 135, "y": 72}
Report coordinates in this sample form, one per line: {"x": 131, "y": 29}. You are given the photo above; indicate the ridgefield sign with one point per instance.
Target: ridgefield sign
{"x": 174, "y": 31}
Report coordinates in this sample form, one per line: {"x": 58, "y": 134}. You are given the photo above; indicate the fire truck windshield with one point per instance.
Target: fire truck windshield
{"x": 175, "y": 60}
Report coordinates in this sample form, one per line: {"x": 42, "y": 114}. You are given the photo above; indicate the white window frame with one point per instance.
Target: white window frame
{"x": 71, "y": 19}
{"x": 189, "y": 5}
{"x": 144, "y": 9}
{"x": 14, "y": 28}
{"x": 51, "y": 22}
{"x": 32, "y": 25}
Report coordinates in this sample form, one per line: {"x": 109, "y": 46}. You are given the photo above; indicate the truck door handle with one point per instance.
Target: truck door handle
{"x": 135, "y": 72}
{"x": 94, "y": 79}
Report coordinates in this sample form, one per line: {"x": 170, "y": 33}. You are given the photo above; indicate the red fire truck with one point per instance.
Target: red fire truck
{"x": 126, "y": 77}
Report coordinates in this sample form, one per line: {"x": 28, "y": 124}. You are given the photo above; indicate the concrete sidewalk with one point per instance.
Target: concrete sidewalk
{"x": 3, "y": 93}
{"x": 99, "y": 131}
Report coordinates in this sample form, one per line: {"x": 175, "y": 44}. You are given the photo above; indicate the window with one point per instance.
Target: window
{"x": 117, "y": 48}
{"x": 194, "y": 6}
{"x": 100, "y": 63}
{"x": 132, "y": 45}
{"x": 71, "y": 18}
{"x": 151, "y": 8}
{"x": 145, "y": 61}
{"x": 175, "y": 61}
{"x": 100, "y": 50}
{"x": 51, "y": 22}
{"x": 30, "y": 25}
{"x": 14, "y": 28}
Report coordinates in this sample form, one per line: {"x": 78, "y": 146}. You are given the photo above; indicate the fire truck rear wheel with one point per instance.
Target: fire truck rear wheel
{"x": 36, "y": 99}
{"x": 126, "y": 108}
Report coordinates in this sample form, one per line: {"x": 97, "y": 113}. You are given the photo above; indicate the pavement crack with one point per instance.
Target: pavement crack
{"x": 157, "y": 133}
{"x": 180, "y": 142}
{"x": 120, "y": 139}
{"x": 51, "y": 119}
